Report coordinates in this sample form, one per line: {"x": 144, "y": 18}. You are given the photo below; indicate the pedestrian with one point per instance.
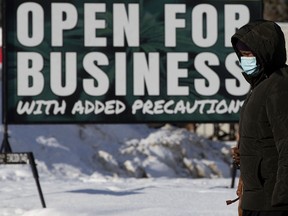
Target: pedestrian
{"x": 263, "y": 125}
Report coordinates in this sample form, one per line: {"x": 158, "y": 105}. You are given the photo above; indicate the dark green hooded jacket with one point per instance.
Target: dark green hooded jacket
{"x": 263, "y": 125}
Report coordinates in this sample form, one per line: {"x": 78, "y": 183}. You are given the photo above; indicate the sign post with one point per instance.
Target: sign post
{"x": 12, "y": 158}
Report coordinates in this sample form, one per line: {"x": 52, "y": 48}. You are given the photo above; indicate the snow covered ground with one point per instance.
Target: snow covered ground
{"x": 130, "y": 170}
{"x": 118, "y": 197}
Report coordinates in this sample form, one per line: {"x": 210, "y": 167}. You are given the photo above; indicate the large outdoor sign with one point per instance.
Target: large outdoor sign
{"x": 85, "y": 61}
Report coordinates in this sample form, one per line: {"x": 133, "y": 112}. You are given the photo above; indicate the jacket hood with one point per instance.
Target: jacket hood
{"x": 266, "y": 41}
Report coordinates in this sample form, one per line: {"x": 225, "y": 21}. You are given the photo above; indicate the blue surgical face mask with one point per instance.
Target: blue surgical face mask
{"x": 249, "y": 65}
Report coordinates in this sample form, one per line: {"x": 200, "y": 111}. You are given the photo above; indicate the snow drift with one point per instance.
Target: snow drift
{"x": 122, "y": 150}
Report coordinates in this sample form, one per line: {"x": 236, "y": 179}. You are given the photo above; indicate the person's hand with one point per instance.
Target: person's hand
{"x": 239, "y": 193}
{"x": 239, "y": 190}
{"x": 236, "y": 155}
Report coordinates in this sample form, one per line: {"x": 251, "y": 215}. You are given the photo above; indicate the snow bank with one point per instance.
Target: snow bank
{"x": 76, "y": 151}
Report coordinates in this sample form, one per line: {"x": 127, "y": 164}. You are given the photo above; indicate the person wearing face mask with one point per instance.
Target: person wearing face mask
{"x": 263, "y": 125}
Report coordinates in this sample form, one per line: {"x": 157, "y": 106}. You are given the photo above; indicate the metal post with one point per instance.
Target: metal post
{"x": 36, "y": 177}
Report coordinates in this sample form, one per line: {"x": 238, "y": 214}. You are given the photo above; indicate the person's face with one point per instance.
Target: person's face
{"x": 246, "y": 53}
